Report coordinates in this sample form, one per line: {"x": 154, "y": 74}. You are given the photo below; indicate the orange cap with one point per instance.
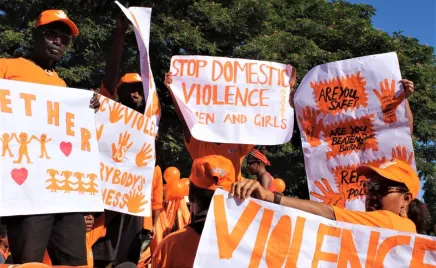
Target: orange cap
{"x": 395, "y": 170}
{"x": 130, "y": 78}
{"x": 212, "y": 172}
{"x": 50, "y": 16}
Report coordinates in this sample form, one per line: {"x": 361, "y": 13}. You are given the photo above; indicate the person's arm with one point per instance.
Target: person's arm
{"x": 186, "y": 132}
{"x": 265, "y": 181}
{"x": 409, "y": 88}
{"x": 247, "y": 188}
{"x": 113, "y": 61}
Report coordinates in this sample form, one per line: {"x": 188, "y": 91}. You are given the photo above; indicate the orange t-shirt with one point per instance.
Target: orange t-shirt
{"x": 98, "y": 231}
{"x": 233, "y": 152}
{"x": 379, "y": 218}
{"x": 156, "y": 196}
{"x": 20, "y": 69}
{"x": 177, "y": 250}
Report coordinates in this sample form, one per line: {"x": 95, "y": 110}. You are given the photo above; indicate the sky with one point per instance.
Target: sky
{"x": 416, "y": 18}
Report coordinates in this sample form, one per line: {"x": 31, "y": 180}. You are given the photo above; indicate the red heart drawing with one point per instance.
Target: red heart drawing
{"x": 66, "y": 148}
{"x": 19, "y": 175}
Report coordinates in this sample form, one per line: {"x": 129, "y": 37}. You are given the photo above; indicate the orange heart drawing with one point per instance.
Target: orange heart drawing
{"x": 66, "y": 148}
{"x": 19, "y": 175}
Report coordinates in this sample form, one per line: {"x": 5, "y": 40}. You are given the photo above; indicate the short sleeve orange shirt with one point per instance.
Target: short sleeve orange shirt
{"x": 177, "y": 249}
{"x": 380, "y": 218}
{"x": 156, "y": 196}
{"x": 24, "y": 70}
{"x": 233, "y": 152}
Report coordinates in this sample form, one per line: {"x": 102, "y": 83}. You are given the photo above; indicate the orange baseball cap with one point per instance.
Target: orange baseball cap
{"x": 50, "y": 16}
{"x": 130, "y": 78}
{"x": 212, "y": 172}
{"x": 395, "y": 170}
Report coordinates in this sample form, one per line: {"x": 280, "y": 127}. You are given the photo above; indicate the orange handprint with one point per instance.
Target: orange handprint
{"x": 389, "y": 103}
{"x": 115, "y": 111}
{"x": 401, "y": 153}
{"x": 119, "y": 153}
{"x": 329, "y": 197}
{"x": 135, "y": 201}
{"x": 311, "y": 128}
{"x": 144, "y": 155}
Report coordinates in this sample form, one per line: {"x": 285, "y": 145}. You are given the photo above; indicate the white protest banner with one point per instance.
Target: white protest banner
{"x": 351, "y": 112}
{"x": 140, "y": 17}
{"x": 50, "y": 159}
{"x": 127, "y": 154}
{"x": 262, "y": 234}
{"x": 234, "y": 100}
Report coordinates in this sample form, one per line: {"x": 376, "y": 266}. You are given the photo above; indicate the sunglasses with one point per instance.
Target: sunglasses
{"x": 52, "y": 35}
{"x": 371, "y": 187}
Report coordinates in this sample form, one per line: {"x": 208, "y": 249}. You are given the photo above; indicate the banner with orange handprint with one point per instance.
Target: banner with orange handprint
{"x": 349, "y": 113}
{"x": 49, "y": 157}
{"x": 127, "y": 154}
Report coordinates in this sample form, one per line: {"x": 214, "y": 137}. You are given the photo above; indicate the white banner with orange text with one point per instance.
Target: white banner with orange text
{"x": 140, "y": 17}
{"x": 127, "y": 154}
{"x": 351, "y": 112}
{"x": 49, "y": 157}
{"x": 230, "y": 100}
{"x": 261, "y": 234}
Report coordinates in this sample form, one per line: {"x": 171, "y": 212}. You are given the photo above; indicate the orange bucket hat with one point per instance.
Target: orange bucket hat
{"x": 213, "y": 172}
{"x": 50, "y": 16}
{"x": 395, "y": 170}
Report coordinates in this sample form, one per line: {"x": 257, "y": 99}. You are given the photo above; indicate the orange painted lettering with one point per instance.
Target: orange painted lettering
{"x": 297, "y": 238}
{"x": 5, "y": 101}
{"x": 70, "y": 124}
{"x": 261, "y": 238}
{"x": 102, "y": 104}
{"x": 372, "y": 249}
{"x": 86, "y": 135}
{"x": 421, "y": 246}
{"x": 28, "y": 98}
{"x": 278, "y": 243}
{"x": 348, "y": 252}
{"x": 227, "y": 243}
{"x": 53, "y": 113}
{"x": 387, "y": 245}
{"x": 325, "y": 230}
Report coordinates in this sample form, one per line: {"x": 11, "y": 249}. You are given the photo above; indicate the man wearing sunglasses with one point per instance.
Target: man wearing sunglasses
{"x": 391, "y": 202}
{"x": 63, "y": 235}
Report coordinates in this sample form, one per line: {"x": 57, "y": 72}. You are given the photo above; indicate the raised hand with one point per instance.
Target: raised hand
{"x": 95, "y": 102}
{"x": 119, "y": 152}
{"x": 247, "y": 188}
{"x": 408, "y": 86}
{"x": 115, "y": 112}
{"x": 389, "y": 103}
{"x": 329, "y": 197}
{"x": 311, "y": 127}
{"x": 144, "y": 155}
{"x": 401, "y": 153}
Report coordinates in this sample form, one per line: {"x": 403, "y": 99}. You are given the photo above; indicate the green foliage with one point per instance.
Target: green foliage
{"x": 304, "y": 33}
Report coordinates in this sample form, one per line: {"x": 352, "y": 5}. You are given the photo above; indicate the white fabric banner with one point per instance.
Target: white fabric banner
{"x": 127, "y": 153}
{"x": 50, "y": 158}
{"x": 351, "y": 112}
{"x": 261, "y": 234}
{"x": 229, "y": 100}
{"x": 140, "y": 17}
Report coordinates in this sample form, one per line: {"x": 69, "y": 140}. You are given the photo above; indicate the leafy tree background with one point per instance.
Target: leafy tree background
{"x": 304, "y": 33}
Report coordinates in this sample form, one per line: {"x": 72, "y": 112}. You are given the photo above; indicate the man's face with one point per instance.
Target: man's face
{"x": 89, "y": 222}
{"x": 52, "y": 40}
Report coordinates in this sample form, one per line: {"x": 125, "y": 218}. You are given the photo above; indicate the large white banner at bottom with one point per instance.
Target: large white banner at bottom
{"x": 261, "y": 234}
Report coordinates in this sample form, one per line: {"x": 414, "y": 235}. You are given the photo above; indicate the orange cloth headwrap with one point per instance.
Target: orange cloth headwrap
{"x": 261, "y": 157}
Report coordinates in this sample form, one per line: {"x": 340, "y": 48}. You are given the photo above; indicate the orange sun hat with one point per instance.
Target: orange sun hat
{"x": 130, "y": 78}
{"x": 395, "y": 170}
{"x": 212, "y": 172}
{"x": 50, "y": 16}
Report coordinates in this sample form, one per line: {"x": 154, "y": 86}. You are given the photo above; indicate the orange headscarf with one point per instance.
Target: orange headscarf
{"x": 261, "y": 157}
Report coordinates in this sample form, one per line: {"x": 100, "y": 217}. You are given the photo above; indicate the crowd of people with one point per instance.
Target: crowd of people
{"x": 119, "y": 240}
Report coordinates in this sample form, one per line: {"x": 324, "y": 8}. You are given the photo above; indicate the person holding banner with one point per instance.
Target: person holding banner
{"x": 62, "y": 234}
{"x": 256, "y": 162}
{"x": 198, "y": 149}
{"x": 207, "y": 174}
{"x": 391, "y": 202}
